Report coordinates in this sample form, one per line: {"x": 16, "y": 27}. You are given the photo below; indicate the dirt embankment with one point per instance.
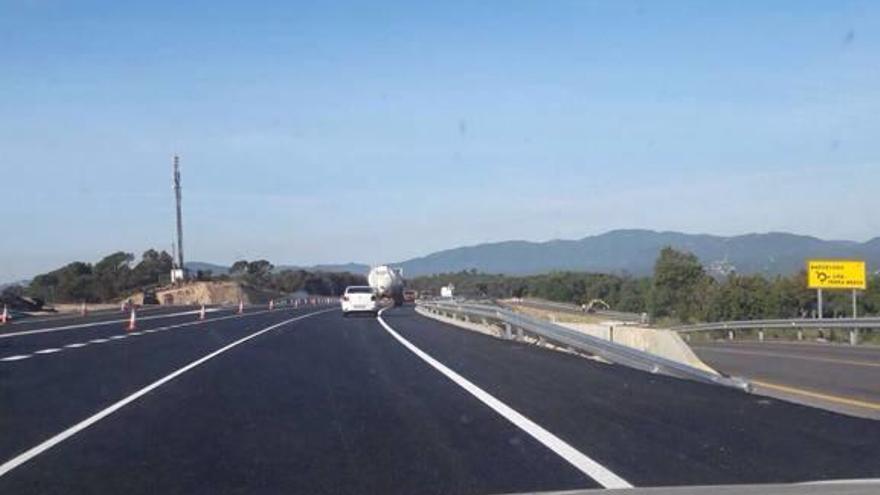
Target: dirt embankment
{"x": 209, "y": 293}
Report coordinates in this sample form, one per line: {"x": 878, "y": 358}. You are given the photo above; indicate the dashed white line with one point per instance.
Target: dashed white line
{"x": 103, "y": 323}
{"x": 16, "y": 358}
{"x": 576, "y": 458}
{"x": 82, "y": 425}
{"x": 48, "y": 351}
{"x": 128, "y": 334}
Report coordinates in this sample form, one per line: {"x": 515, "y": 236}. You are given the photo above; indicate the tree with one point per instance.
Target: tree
{"x": 239, "y": 268}
{"x": 677, "y": 278}
{"x": 112, "y": 275}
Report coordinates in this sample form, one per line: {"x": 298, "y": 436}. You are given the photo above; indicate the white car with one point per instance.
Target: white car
{"x": 360, "y": 299}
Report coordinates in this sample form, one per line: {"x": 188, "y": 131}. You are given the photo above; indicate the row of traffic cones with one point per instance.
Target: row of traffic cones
{"x": 132, "y": 318}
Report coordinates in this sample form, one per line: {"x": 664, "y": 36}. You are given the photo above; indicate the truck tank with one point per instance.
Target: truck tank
{"x": 387, "y": 282}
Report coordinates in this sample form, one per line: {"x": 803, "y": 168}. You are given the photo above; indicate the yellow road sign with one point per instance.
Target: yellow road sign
{"x": 835, "y": 274}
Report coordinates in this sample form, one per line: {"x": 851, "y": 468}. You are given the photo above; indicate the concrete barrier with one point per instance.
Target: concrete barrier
{"x": 663, "y": 343}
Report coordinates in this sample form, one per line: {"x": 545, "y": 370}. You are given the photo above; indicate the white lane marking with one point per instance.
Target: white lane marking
{"x": 103, "y": 323}
{"x": 586, "y": 465}
{"x": 82, "y": 425}
{"x": 76, "y": 345}
{"x": 160, "y": 329}
{"x": 47, "y": 351}
{"x": 16, "y": 358}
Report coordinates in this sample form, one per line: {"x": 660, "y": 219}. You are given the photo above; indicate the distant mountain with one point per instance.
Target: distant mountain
{"x": 23, "y": 282}
{"x": 634, "y": 252}
{"x": 622, "y": 251}
{"x": 216, "y": 269}
{"x": 347, "y": 267}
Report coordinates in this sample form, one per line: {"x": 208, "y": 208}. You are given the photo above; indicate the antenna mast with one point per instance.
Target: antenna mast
{"x": 179, "y": 213}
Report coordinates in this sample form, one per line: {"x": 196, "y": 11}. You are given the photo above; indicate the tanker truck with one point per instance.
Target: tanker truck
{"x": 387, "y": 282}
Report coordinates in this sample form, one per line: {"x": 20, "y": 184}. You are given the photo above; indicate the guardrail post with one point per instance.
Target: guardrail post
{"x": 761, "y": 335}
{"x": 508, "y": 333}
{"x": 611, "y": 333}
{"x": 800, "y": 335}
{"x": 854, "y": 337}
{"x": 730, "y": 335}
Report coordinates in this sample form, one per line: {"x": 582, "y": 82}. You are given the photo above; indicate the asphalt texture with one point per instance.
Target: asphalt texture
{"x": 327, "y": 404}
{"x": 838, "y": 370}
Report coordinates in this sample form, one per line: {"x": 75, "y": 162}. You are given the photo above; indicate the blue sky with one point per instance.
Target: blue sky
{"x": 378, "y": 131}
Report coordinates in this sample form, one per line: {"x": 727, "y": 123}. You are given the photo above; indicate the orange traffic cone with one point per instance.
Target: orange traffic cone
{"x": 4, "y": 317}
{"x": 240, "y": 306}
{"x": 271, "y": 304}
{"x": 132, "y": 320}
{"x": 202, "y": 313}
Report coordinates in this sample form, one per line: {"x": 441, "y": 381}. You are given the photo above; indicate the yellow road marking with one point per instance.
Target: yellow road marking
{"x": 791, "y": 356}
{"x": 817, "y": 395}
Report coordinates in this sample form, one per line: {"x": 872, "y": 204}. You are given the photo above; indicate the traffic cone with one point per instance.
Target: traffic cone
{"x": 202, "y": 313}
{"x": 132, "y": 320}
{"x": 122, "y": 307}
{"x": 240, "y": 306}
{"x": 82, "y": 310}
{"x": 271, "y": 304}
{"x": 4, "y": 317}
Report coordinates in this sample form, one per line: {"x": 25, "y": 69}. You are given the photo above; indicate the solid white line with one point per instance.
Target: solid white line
{"x": 82, "y": 425}
{"x": 47, "y": 351}
{"x": 117, "y": 337}
{"x": 98, "y": 341}
{"x": 103, "y": 323}
{"x": 16, "y": 358}
{"x": 76, "y": 345}
{"x": 586, "y": 465}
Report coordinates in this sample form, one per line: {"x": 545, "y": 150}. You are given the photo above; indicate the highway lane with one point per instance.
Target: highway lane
{"x": 656, "y": 430}
{"x": 323, "y": 405}
{"x": 334, "y": 405}
{"x": 848, "y": 377}
{"x": 45, "y": 394}
{"x": 34, "y": 322}
{"x": 18, "y": 345}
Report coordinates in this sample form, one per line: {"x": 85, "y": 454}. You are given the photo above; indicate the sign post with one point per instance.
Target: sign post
{"x": 855, "y": 303}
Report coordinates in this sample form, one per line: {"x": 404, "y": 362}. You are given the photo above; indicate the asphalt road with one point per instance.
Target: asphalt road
{"x": 839, "y": 377}
{"x": 306, "y": 401}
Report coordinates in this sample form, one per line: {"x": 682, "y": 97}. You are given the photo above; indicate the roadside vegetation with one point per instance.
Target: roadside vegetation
{"x": 117, "y": 275}
{"x": 680, "y": 290}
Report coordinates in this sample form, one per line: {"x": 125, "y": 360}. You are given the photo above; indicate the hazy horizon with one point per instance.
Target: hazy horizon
{"x": 228, "y": 263}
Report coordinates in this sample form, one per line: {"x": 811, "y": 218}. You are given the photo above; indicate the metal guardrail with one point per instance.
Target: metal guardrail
{"x": 797, "y": 323}
{"x": 517, "y": 325}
